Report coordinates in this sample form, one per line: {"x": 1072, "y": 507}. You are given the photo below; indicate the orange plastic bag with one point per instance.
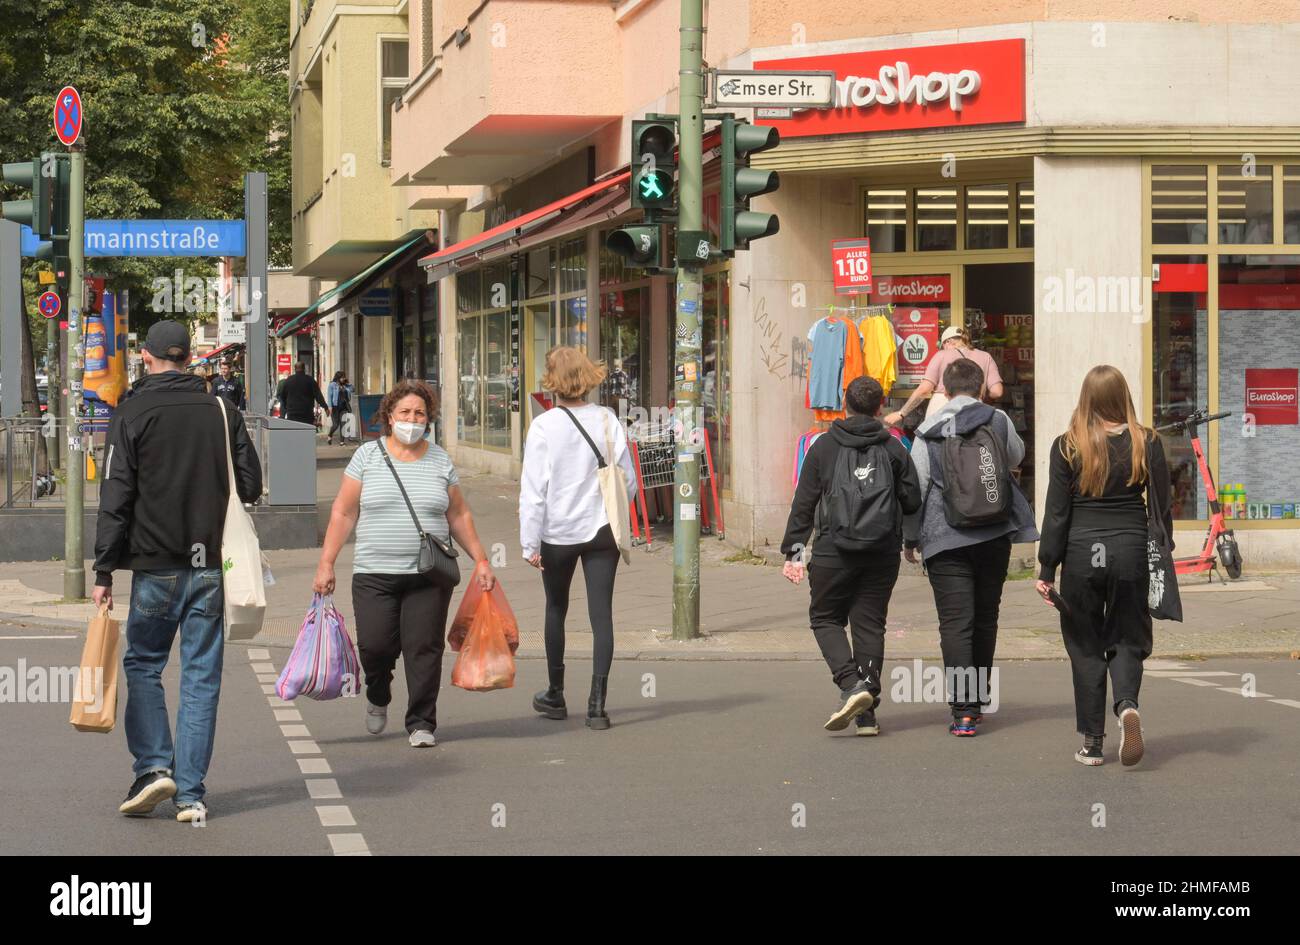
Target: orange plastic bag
{"x": 486, "y": 659}
{"x": 469, "y": 608}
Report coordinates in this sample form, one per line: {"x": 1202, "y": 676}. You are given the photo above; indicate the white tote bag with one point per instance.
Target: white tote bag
{"x": 613, "y": 488}
{"x": 241, "y": 559}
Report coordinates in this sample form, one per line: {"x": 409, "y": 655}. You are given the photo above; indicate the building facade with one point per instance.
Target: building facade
{"x": 1121, "y": 191}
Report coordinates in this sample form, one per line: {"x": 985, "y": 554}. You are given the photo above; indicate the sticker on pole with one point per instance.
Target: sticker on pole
{"x": 67, "y": 115}
{"x": 851, "y": 266}
{"x": 50, "y": 304}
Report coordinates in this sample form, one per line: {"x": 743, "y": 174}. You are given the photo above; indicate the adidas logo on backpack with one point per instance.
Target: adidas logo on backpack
{"x": 976, "y": 478}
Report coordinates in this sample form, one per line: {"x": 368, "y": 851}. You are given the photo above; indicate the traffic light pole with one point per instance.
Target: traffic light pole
{"x": 74, "y": 570}
{"x": 688, "y": 375}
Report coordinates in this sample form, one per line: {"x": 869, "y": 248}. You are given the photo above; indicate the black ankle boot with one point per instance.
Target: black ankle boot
{"x": 551, "y": 702}
{"x": 596, "y": 717}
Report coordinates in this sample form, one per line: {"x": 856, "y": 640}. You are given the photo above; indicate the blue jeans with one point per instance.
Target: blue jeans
{"x": 191, "y": 600}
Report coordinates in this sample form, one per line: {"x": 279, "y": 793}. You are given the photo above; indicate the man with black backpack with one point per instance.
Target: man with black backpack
{"x": 861, "y": 482}
{"x": 971, "y": 512}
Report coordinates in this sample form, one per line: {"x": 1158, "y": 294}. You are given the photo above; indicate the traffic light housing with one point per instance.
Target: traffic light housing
{"x": 740, "y": 182}
{"x": 654, "y": 161}
{"x": 646, "y": 246}
{"x": 38, "y": 211}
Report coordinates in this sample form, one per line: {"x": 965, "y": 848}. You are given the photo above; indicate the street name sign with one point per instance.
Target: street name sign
{"x": 756, "y": 89}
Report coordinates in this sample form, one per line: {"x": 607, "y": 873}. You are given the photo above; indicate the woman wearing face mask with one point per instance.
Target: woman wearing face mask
{"x": 400, "y": 612}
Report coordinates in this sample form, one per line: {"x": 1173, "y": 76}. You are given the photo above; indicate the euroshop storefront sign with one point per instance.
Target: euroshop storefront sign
{"x": 925, "y": 87}
{"x": 911, "y": 290}
{"x": 1271, "y": 396}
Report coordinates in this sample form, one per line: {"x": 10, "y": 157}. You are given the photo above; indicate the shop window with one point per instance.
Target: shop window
{"x": 468, "y": 298}
{"x": 936, "y": 218}
{"x": 1180, "y": 379}
{"x": 468, "y": 345}
{"x": 988, "y": 216}
{"x": 1258, "y": 354}
{"x": 624, "y": 346}
{"x": 539, "y": 272}
{"x": 483, "y": 345}
{"x": 887, "y": 219}
{"x": 1291, "y": 203}
{"x": 497, "y": 391}
{"x": 573, "y": 266}
{"x": 715, "y": 386}
{"x": 1179, "y": 207}
{"x": 1245, "y": 203}
{"x": 1024, "y": 215}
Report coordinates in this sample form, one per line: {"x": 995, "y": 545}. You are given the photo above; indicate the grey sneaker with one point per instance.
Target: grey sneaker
{"x": 866, "y": 723}
{"x": 422, "y": 738}
{"x": 855, "y": 701}
{"x": 376, "y": 718}
{"x": 1131, "y": 747}
{"x": 147, "y": 792}
{"x": 191, "y": 813}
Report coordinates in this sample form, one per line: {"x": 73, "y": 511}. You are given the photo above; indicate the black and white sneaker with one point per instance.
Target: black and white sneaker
{"x": 1090, "y": 754}
{"x": 854, "y": 701}
{"x": 866, "y": 723}
{"x": 148, "y": 792}
{"x": 1131, "y": 747}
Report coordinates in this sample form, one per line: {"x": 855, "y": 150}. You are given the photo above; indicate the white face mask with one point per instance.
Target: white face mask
{"x": 408, "y": 433}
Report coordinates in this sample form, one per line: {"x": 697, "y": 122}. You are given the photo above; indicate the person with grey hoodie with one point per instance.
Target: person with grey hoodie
{"x": 971, "y": 513}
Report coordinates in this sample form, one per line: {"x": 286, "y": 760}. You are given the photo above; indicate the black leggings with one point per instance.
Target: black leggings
{"x": 599, "y": 562}
{"x": 336, "y": 417}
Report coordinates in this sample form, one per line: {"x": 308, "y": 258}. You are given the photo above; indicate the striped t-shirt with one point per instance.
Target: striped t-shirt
{"x": 387, "y": 542}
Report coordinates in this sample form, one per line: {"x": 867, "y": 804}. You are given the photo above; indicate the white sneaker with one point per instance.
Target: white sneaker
{"x": 376, "y": 718}
{"x": 421, "y": 738}
{"x": 192, "y": 813}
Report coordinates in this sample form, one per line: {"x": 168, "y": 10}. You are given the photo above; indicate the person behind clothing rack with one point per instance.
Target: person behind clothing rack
{"x": 955, "y": 345}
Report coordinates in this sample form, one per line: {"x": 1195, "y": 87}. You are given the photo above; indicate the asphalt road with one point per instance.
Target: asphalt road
{"x": 726, "y": 757}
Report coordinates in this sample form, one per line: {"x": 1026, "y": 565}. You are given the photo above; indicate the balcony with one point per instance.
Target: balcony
{"x": 506, "y": 93}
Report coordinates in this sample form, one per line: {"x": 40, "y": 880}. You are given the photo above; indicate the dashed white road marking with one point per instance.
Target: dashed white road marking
{"x": 1291, "y": 702}
{"x": 1196, "y": 682}
{"x": 298, "y": 737}
{"x": 1180, "y": 674}
{"x": 1244, "y": 694}
{"x": 43, "y": 636}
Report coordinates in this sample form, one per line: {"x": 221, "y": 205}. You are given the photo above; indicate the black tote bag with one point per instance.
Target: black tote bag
{"x": 1163, "y": 600}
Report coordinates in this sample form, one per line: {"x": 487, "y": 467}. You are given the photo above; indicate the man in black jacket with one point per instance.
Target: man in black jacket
{"x": 862, "y": 482}
{"x": 296, "y": 393}
{"x": 230, "y": 387}
{"x": 162, "y": 509}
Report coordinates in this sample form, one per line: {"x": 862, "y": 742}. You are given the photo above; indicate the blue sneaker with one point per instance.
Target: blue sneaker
{"x": 963, "y": 727}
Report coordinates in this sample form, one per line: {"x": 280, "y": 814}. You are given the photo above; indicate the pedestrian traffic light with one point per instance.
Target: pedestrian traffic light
{"x": 740, "y": 182}
{"x": 642, "y": 245}
{"x": 654, "y": 159}
{"x": 38, "y": 211}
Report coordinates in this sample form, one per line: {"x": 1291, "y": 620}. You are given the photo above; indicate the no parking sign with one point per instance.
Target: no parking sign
{"x": 50, "y": 304}
{"x": 67, "y": 115}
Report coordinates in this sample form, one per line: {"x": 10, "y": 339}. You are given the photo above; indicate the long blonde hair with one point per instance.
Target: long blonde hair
{"x": 1104, "y": 398}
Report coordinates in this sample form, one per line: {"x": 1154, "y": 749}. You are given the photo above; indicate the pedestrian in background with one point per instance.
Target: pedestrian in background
{"x": 971, "y": 514}
{"x": 954, "y": 346}
{"x": 1095, "y": 530}
{"x": 399, "y": 611}
{"x": 297, "y": 393}
{"x": 863, "y": 482}
{"x": 339, "y": 397}
{"x": 562, "y": 519}
{"x": 230, "y": 387}
{"x": 162, "y": 509}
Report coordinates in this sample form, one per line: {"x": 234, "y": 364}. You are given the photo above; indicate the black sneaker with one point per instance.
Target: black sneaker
{"x": 148, "y": 792}
{"x": 854, "y": 701}
{"x": 963, "y": 727}
{"x": 1090, "y": 754}
{"x": 866, "y": 723}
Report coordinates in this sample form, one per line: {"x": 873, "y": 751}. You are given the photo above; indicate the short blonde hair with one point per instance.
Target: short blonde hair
{"x": 570, "y": 373}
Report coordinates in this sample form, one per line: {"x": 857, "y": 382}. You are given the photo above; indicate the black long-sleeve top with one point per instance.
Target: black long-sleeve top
{"x": 1119, "y": 508}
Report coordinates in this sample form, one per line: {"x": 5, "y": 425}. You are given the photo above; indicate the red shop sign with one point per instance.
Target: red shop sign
{"x": 924, "y": 87}
{"x": 1271, "y": 396}
{"x": 284, "y": 364}
{"x": 912, "y": 290}
{"x": 851, "y": 266}
{"x": 919, "y": 329}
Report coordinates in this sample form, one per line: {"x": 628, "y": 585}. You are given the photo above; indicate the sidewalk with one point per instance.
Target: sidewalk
{"x": 747, "y": 610}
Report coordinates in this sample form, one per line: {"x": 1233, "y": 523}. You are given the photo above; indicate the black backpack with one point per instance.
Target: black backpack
{"x": 859, "y": 510}
{"x": 976, "y": 478}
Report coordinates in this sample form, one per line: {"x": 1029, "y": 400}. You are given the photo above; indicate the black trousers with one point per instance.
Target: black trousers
{"x": 336, "y": 420}
{"x": 402, "y": 615}
{"x": 1108, "y": 628}
{"x": 857, "y": 594}
{"x": 967, "y": 584}
{"x": 599, "y": 559}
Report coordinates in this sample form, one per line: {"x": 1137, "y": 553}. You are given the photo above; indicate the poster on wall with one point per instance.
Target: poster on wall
{"x": 283, "y": 365}
{"x": 1271, "y": 396}
{"x": 919, "y": 329}
{"x": 851, "y": 266}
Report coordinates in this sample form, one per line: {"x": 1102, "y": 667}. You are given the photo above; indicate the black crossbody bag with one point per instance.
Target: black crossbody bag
{"x": 437, "y": 557}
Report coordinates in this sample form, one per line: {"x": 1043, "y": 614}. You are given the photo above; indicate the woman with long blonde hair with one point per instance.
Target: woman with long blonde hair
{"x": 1095, "y": 530}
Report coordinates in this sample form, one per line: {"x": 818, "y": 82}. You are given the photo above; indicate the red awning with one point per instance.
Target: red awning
{"x": 215, "y": 352}
{"x": 515, "y": 227}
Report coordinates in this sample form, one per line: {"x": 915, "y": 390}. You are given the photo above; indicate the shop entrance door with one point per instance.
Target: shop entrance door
{"x": 540, "y": 336}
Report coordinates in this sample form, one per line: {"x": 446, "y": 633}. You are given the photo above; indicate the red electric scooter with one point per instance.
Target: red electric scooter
{"x": 1220, "y": 538}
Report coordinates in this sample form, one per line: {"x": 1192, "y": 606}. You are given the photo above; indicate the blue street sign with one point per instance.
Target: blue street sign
{"x": 156, "y": 238}
{"x": 376, "y": 302}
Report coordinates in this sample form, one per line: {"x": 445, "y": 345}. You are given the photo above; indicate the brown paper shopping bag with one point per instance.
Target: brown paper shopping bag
{"x": 94, "y": 698}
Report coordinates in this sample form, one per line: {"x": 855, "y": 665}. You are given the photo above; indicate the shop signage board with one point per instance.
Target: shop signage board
{"x": 376, "y": 302}
{"x": 772, "y": 89}
{"x": 1271, "y": 396}
{"x": 851, "y": 266}
{"x": 958, "y": 85}
{"x": 283, "y": 364}
{"x": 919, "y": 329}
{"x": 911, "y": 290}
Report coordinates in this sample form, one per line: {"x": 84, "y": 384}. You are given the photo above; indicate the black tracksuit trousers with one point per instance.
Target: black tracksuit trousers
{"x": 856, "y": 593}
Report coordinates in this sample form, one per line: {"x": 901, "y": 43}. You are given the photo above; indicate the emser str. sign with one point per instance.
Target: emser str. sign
{"x": 926, "y": 87}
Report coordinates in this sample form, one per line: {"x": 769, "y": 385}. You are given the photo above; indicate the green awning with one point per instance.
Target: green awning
{"x": 313, "y": 312}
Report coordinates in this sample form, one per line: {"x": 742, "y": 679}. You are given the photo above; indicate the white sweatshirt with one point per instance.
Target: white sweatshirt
{"x": 559, "y": 497}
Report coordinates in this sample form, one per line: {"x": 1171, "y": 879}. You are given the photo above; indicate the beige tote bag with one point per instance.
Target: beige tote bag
{"x": 241, "y": 559}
